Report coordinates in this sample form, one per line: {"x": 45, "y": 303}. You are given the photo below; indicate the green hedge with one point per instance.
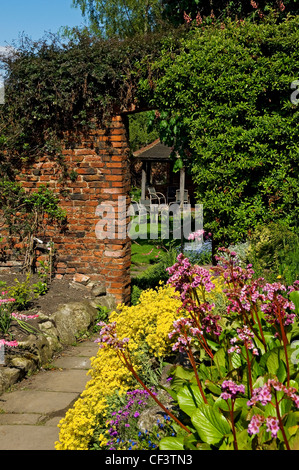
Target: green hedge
{"x": 225, "y": 105}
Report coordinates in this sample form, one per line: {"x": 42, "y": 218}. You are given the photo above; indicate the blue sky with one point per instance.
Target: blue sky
{"x": 35, "y": 17}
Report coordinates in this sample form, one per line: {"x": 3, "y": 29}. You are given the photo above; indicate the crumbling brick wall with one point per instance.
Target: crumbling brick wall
{"x": 100, "y": 173}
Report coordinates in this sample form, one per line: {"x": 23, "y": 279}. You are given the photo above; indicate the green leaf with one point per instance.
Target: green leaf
{"x": 181, "y": 376}
{"x": 210, "y": 425}
{"x": 294, "y": 441}
{"x": 274, "y": 360}
{"x": 213, "y": 387}
{"x": 171, "y": 392}
{"x": 172, "y": 443}
{"x": 189, "y": 398}
{"x": 220, "y": 360}
{"x": 294, "y": 297}
{"x": 281, "y": 372}
{"x": 182, "y": 373}
{"x": 236, "y": 360}
{"x": 178, "y": 165}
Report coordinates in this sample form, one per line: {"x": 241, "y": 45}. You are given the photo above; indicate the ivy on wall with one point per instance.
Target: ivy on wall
{"x": 56, "y": 88}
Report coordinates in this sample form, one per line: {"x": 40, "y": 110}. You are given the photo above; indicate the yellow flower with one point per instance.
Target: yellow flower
{"x": 147, "y": 324}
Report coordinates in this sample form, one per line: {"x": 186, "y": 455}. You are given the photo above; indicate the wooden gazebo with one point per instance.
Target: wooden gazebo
{"x": 157, "y": 152}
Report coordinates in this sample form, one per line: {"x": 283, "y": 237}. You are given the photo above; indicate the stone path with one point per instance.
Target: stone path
{"x": 30, "y": 413}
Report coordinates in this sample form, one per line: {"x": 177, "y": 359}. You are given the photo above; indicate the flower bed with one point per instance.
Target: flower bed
{"x": 230, "y": 341}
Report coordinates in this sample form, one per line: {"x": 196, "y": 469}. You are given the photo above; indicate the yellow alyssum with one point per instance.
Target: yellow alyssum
{"x": 148, "y": 322}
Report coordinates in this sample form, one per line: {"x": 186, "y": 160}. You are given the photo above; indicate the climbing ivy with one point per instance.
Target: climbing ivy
{"x": 56, "y": 89}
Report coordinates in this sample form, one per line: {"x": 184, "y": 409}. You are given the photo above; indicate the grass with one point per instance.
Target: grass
{"x": 146, "y": 246}
{"x": 144, "y": 253}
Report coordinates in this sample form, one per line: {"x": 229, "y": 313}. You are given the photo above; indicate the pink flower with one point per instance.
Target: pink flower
{"x": 264, "y": 394}
{"x": 231, "y": 389}
{"x": 281, "y": 6}
{"x": 198, "y": 19}
{"x": 276, "y": 306}
{"x": 196, "y": 235}
{"x": 255, "y": 424}
{"x": 21, "y": 316}
{"x": 272, "y": 425}
{"x": 244, "y": 336}
{"x": 11, "y": 344}
{"x": 108, "y": 336}
{"x": 184, "y": 277}
{"x": 187, "y": 18}
{"x": 182, "y": 329}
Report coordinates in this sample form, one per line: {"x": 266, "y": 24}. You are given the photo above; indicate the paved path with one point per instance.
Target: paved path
{"x": 29, "y": 414}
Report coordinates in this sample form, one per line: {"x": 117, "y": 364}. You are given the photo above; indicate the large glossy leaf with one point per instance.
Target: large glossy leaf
{"x": 294, "y": 296}
{"x": 236, "y": 360}
{"x": 220, "y": 360}
{"x": 273, "y": 360}
{"x": 210, "y": 425}
{"x": 181, "y": 376}
{"x": 294, "y": 441}
{"x": 172, "y": 443}
{"x": 240, "y": 403}
{"x": 189, "y": 398}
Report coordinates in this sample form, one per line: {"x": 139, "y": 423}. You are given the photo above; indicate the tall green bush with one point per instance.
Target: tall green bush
{"x": 224, "y": 100}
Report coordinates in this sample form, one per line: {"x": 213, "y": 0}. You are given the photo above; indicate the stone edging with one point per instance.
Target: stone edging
{"x": 58, "y": 331}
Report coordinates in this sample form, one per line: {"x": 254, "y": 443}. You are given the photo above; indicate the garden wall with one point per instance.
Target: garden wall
{"x": 98, "y": 171}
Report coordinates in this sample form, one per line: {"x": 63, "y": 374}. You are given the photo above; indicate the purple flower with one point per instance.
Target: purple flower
{"x": 184, "y": 277}
{"x": 264, "y": 394}
{"x": 255, "y": 424}
{"x": 272, "y": 425}
{"x": 244, "y": 336}
{"x": 108, "y": 335}
{"x": 231, "y": 389}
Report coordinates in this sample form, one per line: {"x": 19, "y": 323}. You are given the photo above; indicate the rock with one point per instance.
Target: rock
{"x": 49, "y": 331}
{"x": 26, "y": 365}
{"x": 148, "y": 418}
{"x": 59, "y": 330}
{"x": 98, "y": 290}
{"x": 72, "y": 319}
{"x": 82, "y": 287}
{"x": 105, "y": 301}
{"x": 81, "y": 279}
{"x": 38, "y": 349}
{"x": 8, "y": 377}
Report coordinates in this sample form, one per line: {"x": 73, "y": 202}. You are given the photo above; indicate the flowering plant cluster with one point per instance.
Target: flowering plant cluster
{"x": 123, "y": 431}
{"x": 5, "y": 312}
{"x": 254, "y": 334}
{"x": 147, "y": 324}
{"x": 237, "y": 383}
{"x": 7, "y": 316}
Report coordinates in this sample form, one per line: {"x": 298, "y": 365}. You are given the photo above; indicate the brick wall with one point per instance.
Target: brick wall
{"x": 100, "y": 162}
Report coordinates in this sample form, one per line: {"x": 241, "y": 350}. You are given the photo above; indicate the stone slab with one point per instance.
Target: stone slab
{"x": 26, "y": 437}
{"x": 71, "y": 362}
{"x": 53, "y": 421}
{"x": 19, "y": 418}
{"x": 60, "y": 381}
{"x": 30, "y": 401}
{"x": 89, "y": 349}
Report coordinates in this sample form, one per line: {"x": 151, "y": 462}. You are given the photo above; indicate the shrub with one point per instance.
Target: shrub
{"x": 224, "y": 103}
{"x": 274, "y": 251}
